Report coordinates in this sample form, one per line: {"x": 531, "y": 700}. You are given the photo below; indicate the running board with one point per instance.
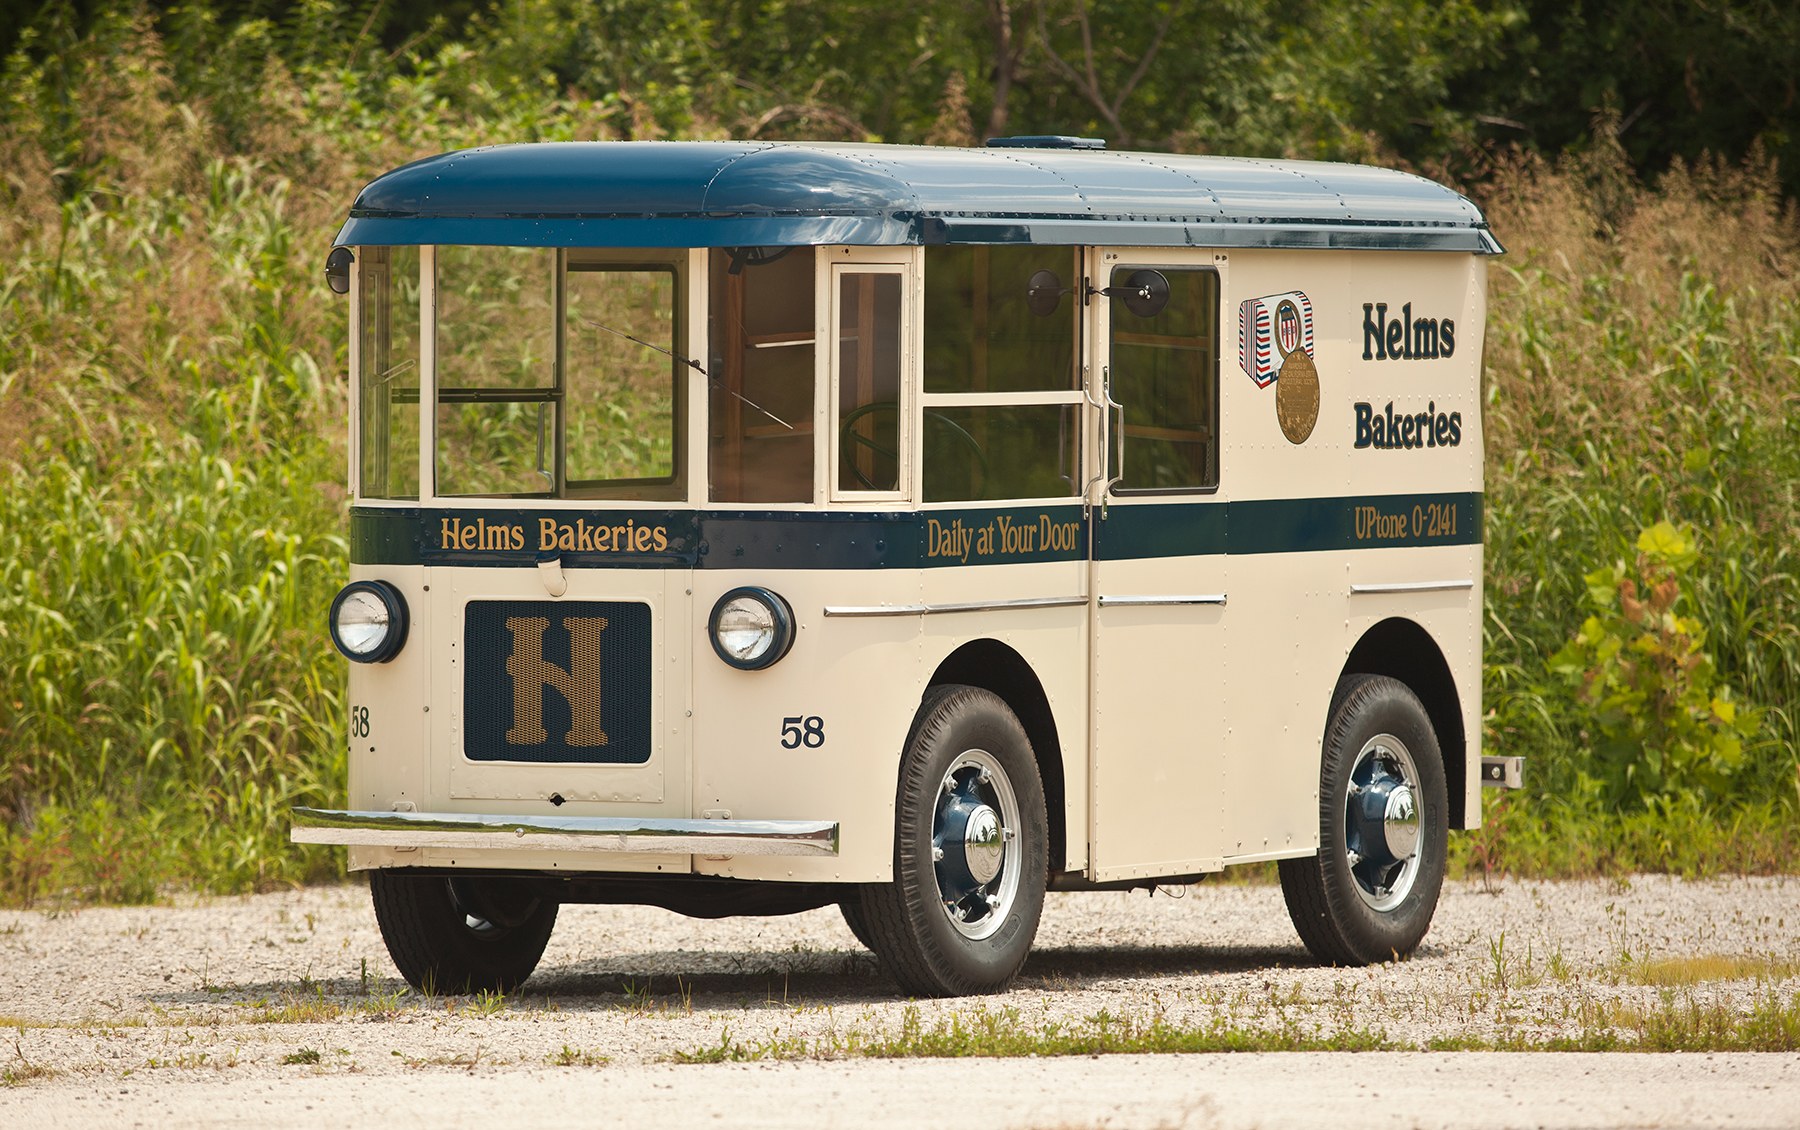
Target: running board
{"x": 564, "y": 833}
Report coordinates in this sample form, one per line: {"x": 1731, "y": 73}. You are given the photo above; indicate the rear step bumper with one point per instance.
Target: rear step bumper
{"x": 564, "y": 833}
{"x": 1502, "y": 772}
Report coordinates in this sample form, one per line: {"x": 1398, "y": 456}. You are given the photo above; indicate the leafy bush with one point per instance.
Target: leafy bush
{"x": 1664, "y": 726}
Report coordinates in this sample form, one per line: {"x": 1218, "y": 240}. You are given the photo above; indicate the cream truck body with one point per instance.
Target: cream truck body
{"x": 997, "y": 438}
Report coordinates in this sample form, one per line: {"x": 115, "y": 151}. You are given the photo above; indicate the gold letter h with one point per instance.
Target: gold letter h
{"x": 531, "y": 673}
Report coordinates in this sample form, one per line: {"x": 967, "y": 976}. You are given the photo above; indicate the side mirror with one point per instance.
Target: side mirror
{"x": 337, "y": 269}
{"x": 1043, "y": 293}
{"x": 1145, "y": 293}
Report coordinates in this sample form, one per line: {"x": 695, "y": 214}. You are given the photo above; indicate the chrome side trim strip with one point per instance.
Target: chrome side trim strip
{"x": 960, "y": 606}
{"x": 1413, "y": 586}
{"x": 564, "y": 833}
{"x": 1141, "y": 601}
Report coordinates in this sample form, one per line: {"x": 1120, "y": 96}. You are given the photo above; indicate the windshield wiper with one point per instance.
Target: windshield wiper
{"x": 691, "y": 363}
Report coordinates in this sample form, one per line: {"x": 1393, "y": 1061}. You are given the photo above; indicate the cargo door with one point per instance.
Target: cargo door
{"x": 1160, "y": 579}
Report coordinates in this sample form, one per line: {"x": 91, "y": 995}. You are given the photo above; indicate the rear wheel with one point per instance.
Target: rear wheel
{"x": 461, "y": 935}
{"x": 971, "y": 851}
{"x": 1370, "y": 893}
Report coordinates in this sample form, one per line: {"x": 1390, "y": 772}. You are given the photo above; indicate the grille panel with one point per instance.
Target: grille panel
{"x": 557, "y": 681}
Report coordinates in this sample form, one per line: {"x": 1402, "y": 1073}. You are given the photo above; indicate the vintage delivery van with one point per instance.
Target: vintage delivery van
{"x": 742, "y": 528}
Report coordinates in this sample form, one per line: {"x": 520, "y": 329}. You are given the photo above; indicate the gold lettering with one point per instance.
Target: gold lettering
{"x": 662, "y": 539}
{"x": 546, "y": 533}
{"x": 447, "y": 534}
{"x": 579, "y": 685}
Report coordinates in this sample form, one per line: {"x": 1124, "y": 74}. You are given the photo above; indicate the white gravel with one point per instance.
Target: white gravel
{"x": 266, "y": 998}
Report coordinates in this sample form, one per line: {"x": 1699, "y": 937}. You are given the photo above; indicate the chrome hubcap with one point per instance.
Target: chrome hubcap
{"x": 1382, "y": 823}
{"x": 975, "y": 844}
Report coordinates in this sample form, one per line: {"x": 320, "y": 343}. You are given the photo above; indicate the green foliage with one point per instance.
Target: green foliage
{"x": 1641, "y": 365}
{"x": 1664, "y": 726}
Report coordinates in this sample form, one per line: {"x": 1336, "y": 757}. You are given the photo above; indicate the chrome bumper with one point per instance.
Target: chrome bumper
{"x": 565, "y": 833}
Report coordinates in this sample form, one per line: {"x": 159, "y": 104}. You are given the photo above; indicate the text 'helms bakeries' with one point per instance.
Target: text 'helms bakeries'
{"x": 1404, "y": 338}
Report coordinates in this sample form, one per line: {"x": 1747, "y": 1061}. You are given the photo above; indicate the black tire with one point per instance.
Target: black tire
{"x": 959, "y": 734}
{"x": 1371, "y": 908}
{"x": 852, "y": 910}
{"x": 455, "y": 935}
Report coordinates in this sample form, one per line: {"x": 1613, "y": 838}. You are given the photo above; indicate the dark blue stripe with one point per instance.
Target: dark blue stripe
{"x": 810, "y": 539}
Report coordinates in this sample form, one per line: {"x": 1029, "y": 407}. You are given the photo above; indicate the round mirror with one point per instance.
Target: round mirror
{"x": 337, "y": 269}
{"x": 1145, "y": 293}
{"x": 1043, "y": 293}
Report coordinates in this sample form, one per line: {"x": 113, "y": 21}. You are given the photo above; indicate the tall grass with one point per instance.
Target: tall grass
{"x": 172, "y": 402}
{"x": 1643, "y": 364}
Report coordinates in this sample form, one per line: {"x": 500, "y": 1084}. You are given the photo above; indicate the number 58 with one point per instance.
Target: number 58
{"x": 797, "y": 731}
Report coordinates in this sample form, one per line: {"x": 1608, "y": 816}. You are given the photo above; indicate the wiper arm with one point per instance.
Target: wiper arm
{"x": 692, "y": 364}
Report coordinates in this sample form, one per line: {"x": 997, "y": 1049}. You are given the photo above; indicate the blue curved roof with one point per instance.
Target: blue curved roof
{"x": 735, "y": 193}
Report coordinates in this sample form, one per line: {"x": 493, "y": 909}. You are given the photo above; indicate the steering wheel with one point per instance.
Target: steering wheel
{"x": 849, "y": 439}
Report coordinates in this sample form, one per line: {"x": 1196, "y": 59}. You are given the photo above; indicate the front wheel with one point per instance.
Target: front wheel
{"x": 1370, "y": 893}
{"x": 971, "y": 850}
{"x": 467, "y": 935}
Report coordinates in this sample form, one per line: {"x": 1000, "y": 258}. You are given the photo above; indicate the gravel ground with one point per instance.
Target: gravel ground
{"x": 245, "y": 996}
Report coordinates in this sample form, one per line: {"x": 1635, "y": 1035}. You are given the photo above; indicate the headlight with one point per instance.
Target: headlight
{"x": 368, "y": 621}
{"x": 751, "y": 628}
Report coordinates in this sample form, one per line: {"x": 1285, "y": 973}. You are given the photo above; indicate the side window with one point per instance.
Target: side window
{"x": 1001, "y": 416}
{"x": 388, "y": 372}
{"x": 761, "y": 328}
{"x": 868, "y": 313}
{"x": 1164, "y": 372}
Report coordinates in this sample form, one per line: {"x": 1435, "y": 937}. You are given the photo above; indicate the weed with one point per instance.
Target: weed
{"x": 577, "y": 1057}
{"x": 486, "y": 1003}
{"x": 303, "y": 1056}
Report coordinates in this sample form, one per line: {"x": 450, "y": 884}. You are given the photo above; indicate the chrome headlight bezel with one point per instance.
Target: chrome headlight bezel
{"x": 394, "y": 622}
{"x": 779, "y": 620}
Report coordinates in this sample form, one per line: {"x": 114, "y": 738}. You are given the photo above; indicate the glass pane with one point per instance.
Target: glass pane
{"x": 868, "y": 381}
{"x": 1165, "y": 371}
{"x": 388, "y": 372}
{"x": 496, "y": 342}
{"x": 504, "y": 447}
{"x": 980, "y": 333}
{"x": 496, "y": 309}
{"x": 992, "y": 452}
{"x": 761, "y": 330}
{"x": 621, "y": 394}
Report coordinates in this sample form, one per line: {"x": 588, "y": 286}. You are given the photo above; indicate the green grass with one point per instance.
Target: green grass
{"x": 1676, "y": 1022}
{"x": 172, "y": 408}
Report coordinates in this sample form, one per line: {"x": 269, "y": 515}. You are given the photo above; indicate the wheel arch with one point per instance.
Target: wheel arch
{"x": 995, "y": 667}
{"x": 1399, "y": 648}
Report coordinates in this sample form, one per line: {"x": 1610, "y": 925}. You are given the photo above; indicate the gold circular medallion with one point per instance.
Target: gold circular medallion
{"x": 1297, "y": 396}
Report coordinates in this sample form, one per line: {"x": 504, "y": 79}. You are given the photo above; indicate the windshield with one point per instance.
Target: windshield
{"x": 559, "y": 374}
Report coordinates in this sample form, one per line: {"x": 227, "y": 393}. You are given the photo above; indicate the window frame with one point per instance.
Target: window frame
{"x": 1114, "y": 438}
{"x": 1075, "y": 397}
{"x": 904, "y": 425}
{"x": 682, "y": 266}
